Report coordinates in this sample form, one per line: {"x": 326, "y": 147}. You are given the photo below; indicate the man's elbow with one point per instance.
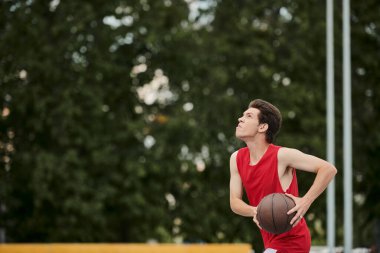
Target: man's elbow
{"x": 233, "y": 205}
{"x": 332, "y": 171}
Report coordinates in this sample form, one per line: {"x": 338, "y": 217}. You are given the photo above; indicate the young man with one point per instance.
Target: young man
{"x": 263, "y": 168}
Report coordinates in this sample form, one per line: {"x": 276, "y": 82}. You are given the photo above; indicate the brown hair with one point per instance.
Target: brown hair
{"x": 270, "y": 115}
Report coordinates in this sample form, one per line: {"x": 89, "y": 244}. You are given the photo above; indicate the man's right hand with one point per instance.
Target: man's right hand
{"x": 254, "y": 211}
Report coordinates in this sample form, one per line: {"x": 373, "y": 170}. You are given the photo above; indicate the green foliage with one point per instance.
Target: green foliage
{"x": 366, "y": 148}
{"x": 91, "y": 153}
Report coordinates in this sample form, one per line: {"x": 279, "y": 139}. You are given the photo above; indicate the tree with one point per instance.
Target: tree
{"x": 118, "y": 117}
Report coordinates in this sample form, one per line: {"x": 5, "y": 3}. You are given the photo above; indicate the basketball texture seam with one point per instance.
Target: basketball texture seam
{"x": 274, "y": 222}
{"x": 287, "y": 208}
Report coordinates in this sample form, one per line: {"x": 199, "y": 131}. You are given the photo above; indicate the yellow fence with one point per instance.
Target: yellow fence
{"x": 124, "y": 248}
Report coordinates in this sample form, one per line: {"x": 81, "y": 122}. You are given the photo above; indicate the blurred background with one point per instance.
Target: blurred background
{"x": 117, "y": 118}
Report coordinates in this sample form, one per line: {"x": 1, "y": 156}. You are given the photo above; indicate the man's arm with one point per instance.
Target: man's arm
{"x": 238, "y": 206}
{"x": 324, "y": 170}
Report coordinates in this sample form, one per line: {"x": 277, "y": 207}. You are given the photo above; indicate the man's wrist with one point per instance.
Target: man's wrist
{"x": 253, "y": 211}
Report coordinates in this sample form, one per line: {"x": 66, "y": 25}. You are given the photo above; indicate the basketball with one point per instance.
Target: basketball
{"x": 272, "y": 213}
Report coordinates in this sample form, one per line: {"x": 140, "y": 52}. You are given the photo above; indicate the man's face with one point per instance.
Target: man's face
{"x": 248, "y": 124}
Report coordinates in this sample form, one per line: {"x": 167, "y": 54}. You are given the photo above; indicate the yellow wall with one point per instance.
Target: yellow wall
{"x": 124, "y": 248}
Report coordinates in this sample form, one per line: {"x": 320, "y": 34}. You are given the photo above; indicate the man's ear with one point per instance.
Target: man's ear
{"x": 263, "y": 127}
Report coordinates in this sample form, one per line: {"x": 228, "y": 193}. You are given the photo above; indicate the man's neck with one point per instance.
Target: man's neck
{"x": 257, "y": 150}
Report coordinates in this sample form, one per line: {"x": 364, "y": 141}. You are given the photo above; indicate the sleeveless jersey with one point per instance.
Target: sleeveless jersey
{"x": 262, "y": 179}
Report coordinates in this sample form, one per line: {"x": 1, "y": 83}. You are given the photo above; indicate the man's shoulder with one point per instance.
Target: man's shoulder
{"x": 242, "y": 150}
{"x": 284, "y": 149}
{"x": 286, "y": 154}
{"x": 238, "y": 152}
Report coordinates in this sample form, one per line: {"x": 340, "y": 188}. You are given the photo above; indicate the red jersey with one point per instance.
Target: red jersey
{"x": 262, "y": 179}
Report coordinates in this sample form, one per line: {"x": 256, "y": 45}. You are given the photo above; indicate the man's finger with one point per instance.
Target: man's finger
{"x": 296, "y": 218}
{"x": 291, "y": 211}
{"x": 257, "y": 222}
